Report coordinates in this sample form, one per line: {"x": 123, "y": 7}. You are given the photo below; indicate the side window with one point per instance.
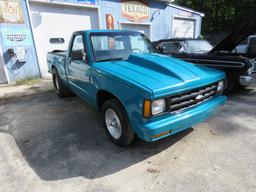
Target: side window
{"x": 77, "y": 51}
{"x": 171, "y": 48}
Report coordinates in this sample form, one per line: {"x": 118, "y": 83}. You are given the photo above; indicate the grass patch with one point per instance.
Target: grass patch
{"x": 29, "y": 81}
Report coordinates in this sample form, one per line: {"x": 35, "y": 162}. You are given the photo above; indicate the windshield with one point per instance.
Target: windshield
{"x": 109, "y": 46}
{"x": 198, "y": 46}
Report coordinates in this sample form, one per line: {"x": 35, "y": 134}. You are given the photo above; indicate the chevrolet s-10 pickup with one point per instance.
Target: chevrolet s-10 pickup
{"x": 138, "y": 91}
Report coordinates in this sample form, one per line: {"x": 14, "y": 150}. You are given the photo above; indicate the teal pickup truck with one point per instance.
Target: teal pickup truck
{"x": 138, "y": 91}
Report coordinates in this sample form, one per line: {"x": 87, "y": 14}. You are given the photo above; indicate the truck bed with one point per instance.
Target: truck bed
{"x": 59, "y": 52}
{"x": 58, "y": 58}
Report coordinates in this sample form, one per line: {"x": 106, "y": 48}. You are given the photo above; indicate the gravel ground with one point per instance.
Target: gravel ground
{"x": 49, "y": 144}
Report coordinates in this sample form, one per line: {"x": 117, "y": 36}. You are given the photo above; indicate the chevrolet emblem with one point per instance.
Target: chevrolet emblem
{"x": 198, "y": 97}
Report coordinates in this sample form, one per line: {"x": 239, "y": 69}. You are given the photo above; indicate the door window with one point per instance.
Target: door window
{"x": 77, "y": 50}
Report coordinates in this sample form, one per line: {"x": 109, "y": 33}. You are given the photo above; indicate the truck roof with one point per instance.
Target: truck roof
{"x": 104, "y": 31}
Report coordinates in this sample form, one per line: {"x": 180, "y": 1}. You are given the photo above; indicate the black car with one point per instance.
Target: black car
{"x": 238, "y": 67}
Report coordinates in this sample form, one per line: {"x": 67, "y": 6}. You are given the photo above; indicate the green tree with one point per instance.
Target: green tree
{"x": 222, "y": 15}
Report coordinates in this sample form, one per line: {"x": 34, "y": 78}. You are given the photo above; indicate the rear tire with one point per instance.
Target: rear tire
{"x": 60, "y": 88}
{"x": 116, "y": 123}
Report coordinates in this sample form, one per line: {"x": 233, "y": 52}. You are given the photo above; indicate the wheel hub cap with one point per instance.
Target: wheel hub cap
{"x": 113, "y": 123}
{"x": 57, "y": 83}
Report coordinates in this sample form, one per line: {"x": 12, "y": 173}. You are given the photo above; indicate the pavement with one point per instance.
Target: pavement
{"x": 50, "y": 144}
{"x": 13, "y": 90}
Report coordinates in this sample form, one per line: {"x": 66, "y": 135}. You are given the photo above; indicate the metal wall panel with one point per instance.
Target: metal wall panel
{"x": 15, "y": 70}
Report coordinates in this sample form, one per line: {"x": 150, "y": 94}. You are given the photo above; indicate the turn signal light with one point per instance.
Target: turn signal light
{"x": 161, "y": 134}
{"x": 147, "y": 108}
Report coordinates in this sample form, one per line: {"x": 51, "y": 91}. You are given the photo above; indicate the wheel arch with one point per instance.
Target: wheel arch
{"x": 103, "y": 95}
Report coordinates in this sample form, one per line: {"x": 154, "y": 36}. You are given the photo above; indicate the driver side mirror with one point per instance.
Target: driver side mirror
{"x": 160, "y": 49}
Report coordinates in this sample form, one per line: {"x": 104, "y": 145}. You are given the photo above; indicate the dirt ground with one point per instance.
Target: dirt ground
{"x": 50, "y": 144}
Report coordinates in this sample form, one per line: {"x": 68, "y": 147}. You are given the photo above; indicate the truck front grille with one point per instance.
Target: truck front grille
{"x": 180, "y": 102}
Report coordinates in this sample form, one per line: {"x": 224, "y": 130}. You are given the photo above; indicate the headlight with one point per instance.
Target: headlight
{"x": 221, "y": 86}
{"x": 158, "y": 106}
{"x": 155, "y": 107}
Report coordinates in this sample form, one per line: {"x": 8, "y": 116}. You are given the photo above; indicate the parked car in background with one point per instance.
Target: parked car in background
{"x": 238, "y": 67}
{"x": 138, "y": 91}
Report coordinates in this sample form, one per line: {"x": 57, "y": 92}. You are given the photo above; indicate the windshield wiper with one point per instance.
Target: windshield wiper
{"x": 112, "y": 59}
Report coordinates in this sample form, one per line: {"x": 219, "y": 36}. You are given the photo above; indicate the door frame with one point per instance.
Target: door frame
{"x": 2, "y": 62}
{"x": 183, "y": 17}
{"x": 60, "y": 4}
{"x": 136, "y": 23}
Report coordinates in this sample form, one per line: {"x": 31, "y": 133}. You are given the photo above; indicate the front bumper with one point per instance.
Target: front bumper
{"x": 178, "y": 122}
{"x": 245, "y": 80}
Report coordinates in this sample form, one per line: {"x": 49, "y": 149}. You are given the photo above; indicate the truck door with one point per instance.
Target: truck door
{"x": 77, "y": 68}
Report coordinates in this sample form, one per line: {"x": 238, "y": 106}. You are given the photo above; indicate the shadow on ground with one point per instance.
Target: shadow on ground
{"x": 241, "y": 104}
{"x": 62, "y": 139}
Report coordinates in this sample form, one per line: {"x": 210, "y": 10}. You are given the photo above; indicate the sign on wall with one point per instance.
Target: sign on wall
{"x": 11, "y": 11}
{"x": 16, "y": 37}
{"x": 136, "y": 11}
{"x": 110, "y": 21}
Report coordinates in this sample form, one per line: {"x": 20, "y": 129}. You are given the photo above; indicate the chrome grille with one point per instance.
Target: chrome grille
{"x": 180, "y": 102}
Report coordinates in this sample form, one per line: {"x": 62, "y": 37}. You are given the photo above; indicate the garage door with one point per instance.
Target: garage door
{"x": 183, "y": 28}
{"x": 53, "y": 20}
{"x": 145, "y": 29}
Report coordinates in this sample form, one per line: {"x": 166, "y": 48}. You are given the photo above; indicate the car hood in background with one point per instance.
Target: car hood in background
{"x": 237, "y": 36}
{"x": 161, "y": 74}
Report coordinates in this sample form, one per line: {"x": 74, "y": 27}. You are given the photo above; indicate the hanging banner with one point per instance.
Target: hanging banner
{"x": 110, "y": 21}
{"x": 136, "y": 11}
{"x": 16, "y": 37}
{"x": 11, "y": 11}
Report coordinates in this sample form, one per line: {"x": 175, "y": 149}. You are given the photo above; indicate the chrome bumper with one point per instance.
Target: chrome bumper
{"x": 245, "y": 80}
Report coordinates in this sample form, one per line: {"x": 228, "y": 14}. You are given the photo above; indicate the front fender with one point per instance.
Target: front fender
{"x": 130, "y": 95}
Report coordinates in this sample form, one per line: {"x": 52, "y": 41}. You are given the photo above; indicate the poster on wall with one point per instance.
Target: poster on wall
{"x": 16, "y": 37}
{"x": 136, "y": 11}
{"x": 110, "y": 21}
{"x": 90, "y": 2}
{"x": 11, "y": 11}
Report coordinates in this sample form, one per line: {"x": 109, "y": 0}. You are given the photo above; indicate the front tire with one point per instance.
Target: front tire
{"x": 60, "y": 88}
{"x": 232, "y": 81}
{"x": 116, "y": 123}
{"x": 229, "y": 87}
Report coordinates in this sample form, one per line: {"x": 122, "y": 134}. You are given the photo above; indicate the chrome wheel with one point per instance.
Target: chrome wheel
{"x": 113, "y": 123}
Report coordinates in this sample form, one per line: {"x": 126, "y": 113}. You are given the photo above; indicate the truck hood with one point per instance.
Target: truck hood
{"x": 161, "y": 74}
{"x": 237, "y": 36}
